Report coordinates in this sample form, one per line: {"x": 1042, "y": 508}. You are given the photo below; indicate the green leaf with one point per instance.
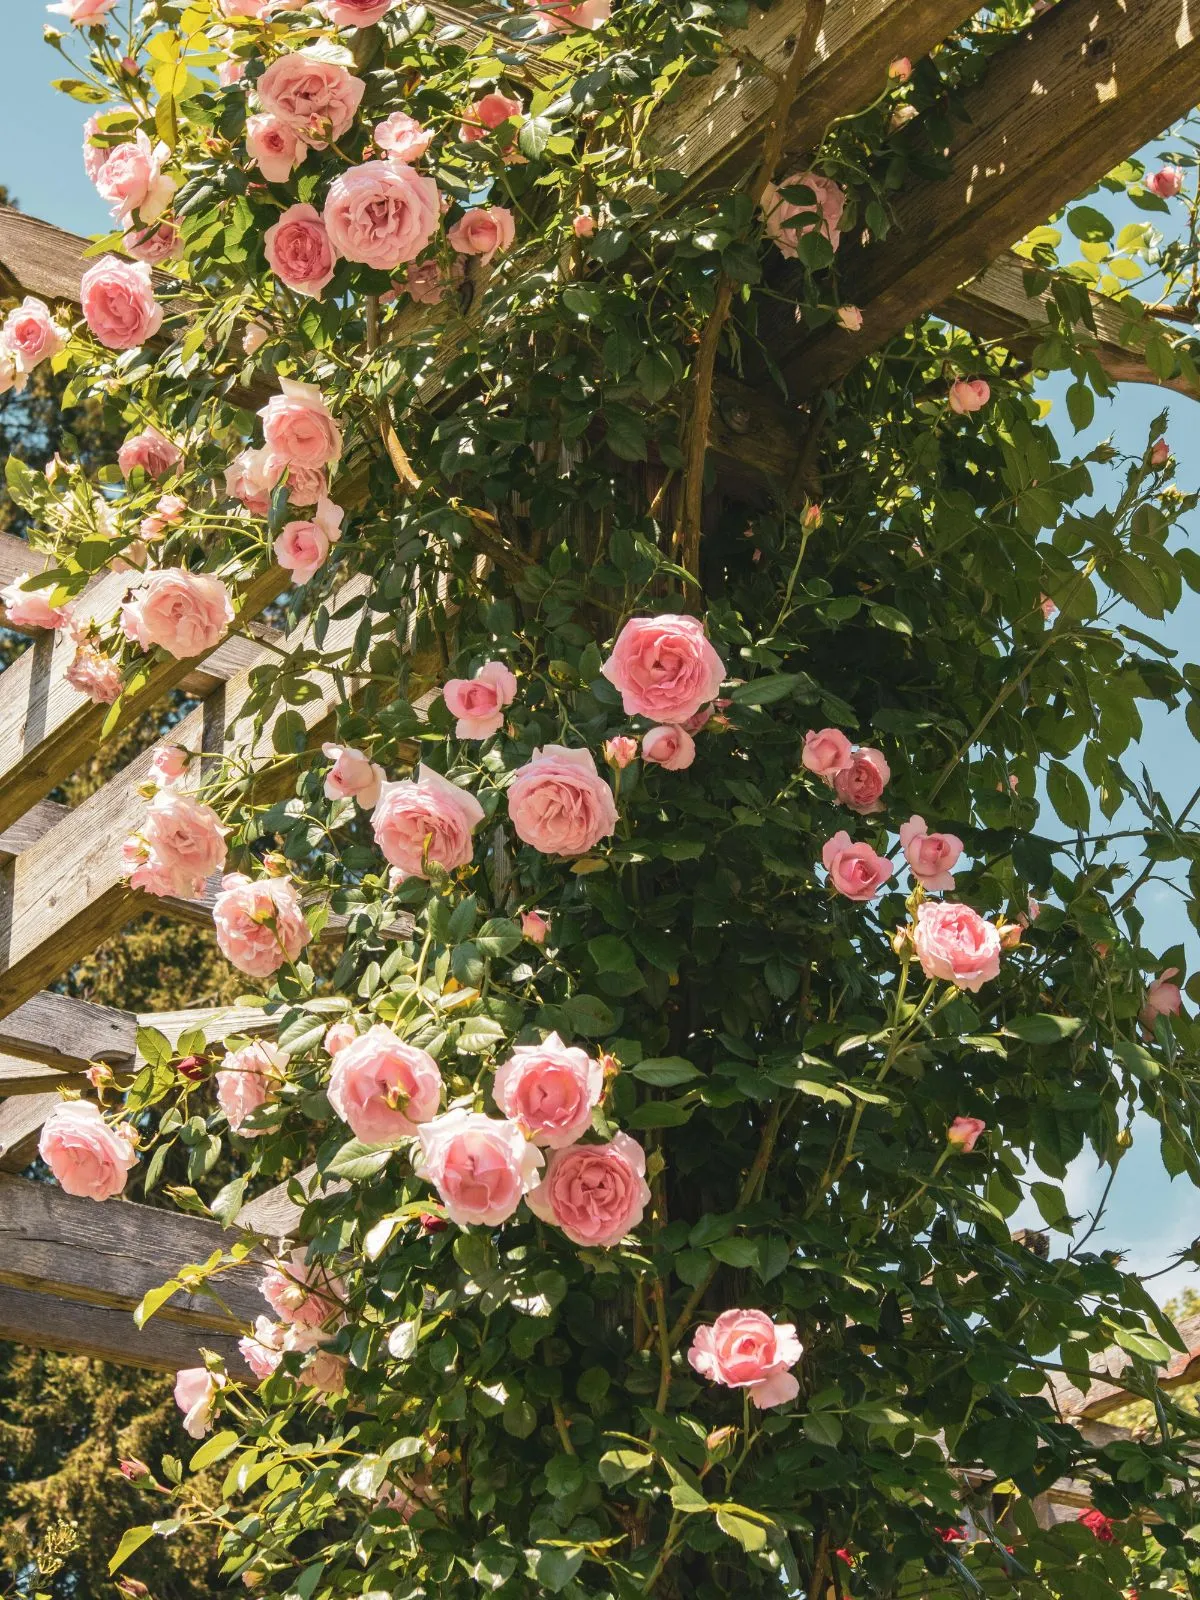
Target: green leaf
{"x": 478, "y": 1036}
{"x": 154, "y": 1299}
{"x": 765, "y": 691}
{"x": 618, "y": 1466}
{"x": 823, "y": 1427}
{"x": 1069, "y": 796}
{"x": 661, "y": 1114}
{"x": 734, "y": 1521}
{"x": 1052, "y": 1204}
{"x": 735, "y": 1252}
{"x": 611, "y": 953}
{"x": 1081, "y": 407}
{"x": 554, "y": 1569}
{"x": 531, "y": 141}
{"x": 358, "y": 1161}
{"x": 686, "y": 1499}
{"x": 132, "y": 1539}
{"x": 1143, "y": 1345}
{"x": 1085, "y": 222}
{"x": 214, "y": 1449}
{"x": 664, "y": 1072}
{"x": 1042, "y": 1028}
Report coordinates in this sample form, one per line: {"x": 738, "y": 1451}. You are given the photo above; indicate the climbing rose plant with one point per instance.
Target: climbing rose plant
{"x": 728, "y": 934}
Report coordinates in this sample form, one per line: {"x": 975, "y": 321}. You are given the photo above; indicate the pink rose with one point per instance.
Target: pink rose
{"x": 964, "y": 1132}
{"x": 787, "y": 220}
{"x": 262, "y": 1350}
{"x": 250, "y": 477}
{"x": 860, "y": 785}
{"x": 95, "y": 675}
{"x": 31, "y": 334}
{"x": 254, "y": 338}
{"x": 299, "y": 251}
{"x": 850, "y": 318}
{"x": 900, "y": 70}
{"x": 619, "y": 752}
{"x": 559, "y": 16}
{"x": 549, "y": 1090}
{"x": 117, "y": 298}
{"x": 955, "y": 943}
{"x": 355, "y": 13}
{"x": 670, "y": 747}
{"x": 1160, "y": 453}
{"x": 148, "y": 450}
{"x": 247, "y": 1080}
{"x": 596, "y": 1193}
{"x": 31, "y": 608}
{"x": 339, "y": 1036}
{"x": 479, "y": 702}
{"x": 195, "y": 1395}
{"x": 81, "y": 13}
{"x": 969, "y": 394}
{"x": 302, "y": 547}
{"x": 931, "y": 856}
{"x": 183, "y": 845}
{"x": 382, "y": 213}
{"x": 87, "y": 1156}
{"x": 1164, "y": 998}
{"x": 325, "y": 1372}
{"x": 854, "y": 869}
{"x": 559, "y": 803}
{"x": 153, "y": 245}
{"x": 1165, "y": 183}
{"x": 746, "y": 1350}
{"x": 169, "y": 510}
{"x": 298, "y": 428}
{"x": 425, "y": 283}
{"x": 94, "y": 155}
{"x": 402, "y": 138}
{"x": 301, "y": 1293}
{"x": 664, "y": 667}
{"x": 170, "y": 762}
{"x": 352, "y": 774}
{"x": 487, "y": 114}
{"x": 826, "y": 753}
{"x": 383, "y": 1088}
{"x": 534, "y": 927}
{"x": 184, "y": 613}
{"x": 132, "y": 180}
{"x": 274, "y": 148}
{"x": 482, "y": 232}
{"x": 426, "y": 819}
{"x": 259, "y": 924}
{"x": 479, "y": 1166}
{"x": 583, "y": 224}
{"x": 316, "y": 98}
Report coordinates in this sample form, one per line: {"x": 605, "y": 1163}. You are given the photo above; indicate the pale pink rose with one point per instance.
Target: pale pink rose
{"x": 382, "y": 213}
{"x": 185, "y": 841}
{"x": 479, "y": 1166}
{"x": 900, "y": 71}
{"x": 1160, "y": 453}
{"x": 1033, "y": 908}
{"x": 339, "y": 1036}
{"x": 964, "y": 1133}
{"x": 352, "y": 774}
{"x": 259, "y": 924}
{"x": 487, "y": 114}
{"x": 383, "y": 1088}
{"x": 482, "y": 232}
{"x": 559, "y": 803}
{"x": 969, "y": 394}
{"x": 184, "y": 613}
{"x": 31, "y": 608}
{"x": 860, "y": 785}
{"x": 94, "y": 155}
{"x": 669, "y": 747}
{"x": 254, "y": 338}
{"x": 549, "y": 1090}
{"x": 132, "y": 180}
{"x": 316, "y": 98}
{"x": 596, "y": 1193}
{"x": 702, "y": 718}
{"x": 402, "y": 138}
{"x": 620, "y": 751}
{"x": 195, "y": 1395}
{"x": 31, "y": 334}
{"x": 301, "y": 1293}
{"x": 425, "y": 283}
{"x": 262, "y": 1350}
{"x": 297, "y": 427}
{"x": 906, "y": 112}
{"x": 247, "y": 1080}
{"x": 1047, "y": 607}
{"x": 169, "y": 510}
{"x": 850, "y": 318}
{"x": 299, "y": 251}
{"x": 534, "y": 927}
{"x": 664, "y": 667}
{"x": 117, "y": 299}
{"x": 787, "y": 220}
{"x": 930, "y": 856}
{"x": 87, "y": 1156}
{"x": 11, "y": 376}
{"x": 559, "y": 16}
{"x": 583, "y": 224}
{"x": 826, "y": 753}
{"x": 230, "y": 71}
{"x": 1166, "y": 183}
{"x": 355, "y": 13}
{"x": 148, "y": 450}
{"x": 170, "y": 762}
{"x": 273, "y": 147}
{"x": 248, "y": 478}
{"x": 325, "y": 1372}
{"x": 855, "y": 870}
{"x": 153, "y": 245}
{"x": 479, "y": 702}
{"x": 1164, "y": 998}
{"x": 746, "y": 1350}
{"x": 95, "y": 675}
{"x": 425, "y": 819}
{"x": 302, "y": 547}
{"x": 82, "y": 13}
{"x": 955, "y": 943}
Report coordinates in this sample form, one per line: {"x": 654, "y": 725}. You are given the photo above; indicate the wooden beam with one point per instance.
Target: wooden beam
{"x": 21, "y": 1122}
{"x": 1106, "y": 1392}
{"x": 69, "y": 1034}
{"x": 53, "y": 1322}
{"x": 20, "y": 1077}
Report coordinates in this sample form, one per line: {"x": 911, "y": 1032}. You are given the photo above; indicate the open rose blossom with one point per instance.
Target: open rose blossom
{"x": 479, "y": 702}
{"x": 153, "y": 244}
{"x": 1166, "y": 183}
{"x": 479, "y": 1166}
{"x": 487, "y": 114}
{"x": 955, "y": 943}
{"x": 1164, "y": 998}
{"x": 402, "y": 138}
{"x": 117, "y": 298}
{"x": 969, "y": 394}
{"x": 826, "y": 753}
{"x": 302, "y": 1293}
{"x": 596, "y": 1193}
{"x": 247, "y": 1080}
{"x": 669, "y": 747}
{"x": 184, "y": 843}
{"x": 382, "y": 213}
{"x": 559, "y": 803}
{"x": 298, "y": 429}
{"x": 664, "y": 667}
{"x": 94, "y": 674}
{"x": 860, "y": 784}
{"x": 259, "y": 923}
{"x": 482, "y": 232}
{"x": 31, "y": 608}
{"x": 87, "y": 1156}
{"x": 354, "y": 13}
{"x": 273, "y": 147}
{"x": 352, "y": 775}
{"x": 262, "y": 1350}
{"x": 559, "y": 16}
{"x": 787, "y": 220}
{"x": 930, "y": 856}
{"x": 195, "y": 1395}
{"x": 31, "y": 335}
{"x": 299, "y": 251}
{"x": 426, "y": 818}
{"x": 534, "y": 927}
{"x": 303, "y": 546}
{"x": 854, "y": 869}
{"x": 81, "y": 13}
{"x": 313, "y": 96}
{"x": 382, "y": 1088}
{"x": 746, "y": 1350}
{"x": 132, "y": 180}
{"x": 148, "y": 450}
{"x": 1097, "y": 1524}
{"x": 183, "y": 613}
{"x": 549, "y": 1090}
{"x": 964, "y": 1133}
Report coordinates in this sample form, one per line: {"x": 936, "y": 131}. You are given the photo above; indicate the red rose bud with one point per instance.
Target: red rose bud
{"x": 1097, "y": 1524}
{"x": 431, "y": 1223}
{"x": 192, "y": 1068}
{"x": 134, "y": 1469}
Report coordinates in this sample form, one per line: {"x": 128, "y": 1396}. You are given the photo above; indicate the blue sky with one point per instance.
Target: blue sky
{"x": 1148, "y": 1215}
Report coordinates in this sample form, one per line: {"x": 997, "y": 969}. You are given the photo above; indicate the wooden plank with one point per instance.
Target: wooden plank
{"x": 30, "y": 826}
{"x": 30, "y": 1077}
{"x": 38, "y": 258}
{"x": 52, "y": 1322}
{"x": 60, "y": 1031}
{"x": 20, "y": 1124}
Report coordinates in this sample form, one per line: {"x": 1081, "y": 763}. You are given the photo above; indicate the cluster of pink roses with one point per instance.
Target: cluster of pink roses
{"x": 857, "y": 777}
{"x": 667, "y": 671}
{"x": 179, "y": 846}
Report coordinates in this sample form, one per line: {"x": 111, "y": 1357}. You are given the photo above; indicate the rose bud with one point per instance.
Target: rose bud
{"x": 134, "y": 1469}
{"x": 192, "y": 1068}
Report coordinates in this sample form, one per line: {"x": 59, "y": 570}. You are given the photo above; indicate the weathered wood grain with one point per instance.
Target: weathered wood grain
{"x": 54, "y": 1322}
{"x": 21, "y": 1122}
{"x": 63, "y": 1032}
{"x": 22, "y": 1077}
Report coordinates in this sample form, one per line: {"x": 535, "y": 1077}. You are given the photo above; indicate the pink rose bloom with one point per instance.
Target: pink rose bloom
{"x": 383, "y": 1088}
{"x": 670, "y": 747}
{"x": 1165, "y": 183}
{"x": 301, "y": 1293}
{"x": 900, "y": 70}
{"x": 746, "y": 1350}
{"x": 969, "y": 394}
{"x": 250, "y": 477}
{"x": 31, "y": 608}
{"x": 81, "y": 13}
{"x": 95, "y": 675}
{"x": 596, "y": 1193}
{"x": 930, "y": 856}
{"x": 487, "y": 114}
{"x": 185, "y": 841}
{"x": 94, "y": 155}
{"x": 382, "y": 213}
{"x": 425, "y": 283}
{"x": 184, "y": 613}
{"x": 425, "y": 819}
{"x": 549, "y": 1090}
{"x": 352, "y": 774}
{"x": 11, "y": 376}
{"x": 780, "y": 215}
{"x": 482, "y": 232}
{"x": 619, "y": 752}
{"x": 583, "y": 224}
{"x": 195, "y": 1395}
{"x": 534, "y": 927}
{"x": 559, "y": 803}
{"x": 479, "y": 1166}
{"x": 860, "y": 785}
{"x": 850, "y": 318}
{"x": 149, "y": 450}
{"x": 955, "y": 943}
{"x": 325, "y": 1372}
{"x": 1164, "y": 998}
{"x": 297, "y": 427}
{"x": 254, "y": 338}
{"x": 87, "y": 1156}
{"x": 559, "y": 16}
{"x": 479, "y": 702}
{"x": 155, "y": 244}
{"x": 132, "y": 180}
{"x": 247, "y": 1080}
{"x": 259, "y": 924}
{"x": 170, "y": 761}
{"x": 262, "y": 1350}
{"x": 117, "y": 299}
{"x": 31, "y": 334}
{"x": 273, "y": 147}
{"x": 299, "y": 251}
{"x": 355, "y": 13}
{"x": 1160, "y": 453}
{"x": 826, "y": 753}
{"x": 664, "y": 667}
{"x": 402, "y": 138}
{"x": 302, "y": 547}
{"x": 169, "y": 510}
{"x": 316, "y": 98}
{"x": 339, "y": 1036}
{"x": 964, "y": 1133}
{"x": 854, "y": 869}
